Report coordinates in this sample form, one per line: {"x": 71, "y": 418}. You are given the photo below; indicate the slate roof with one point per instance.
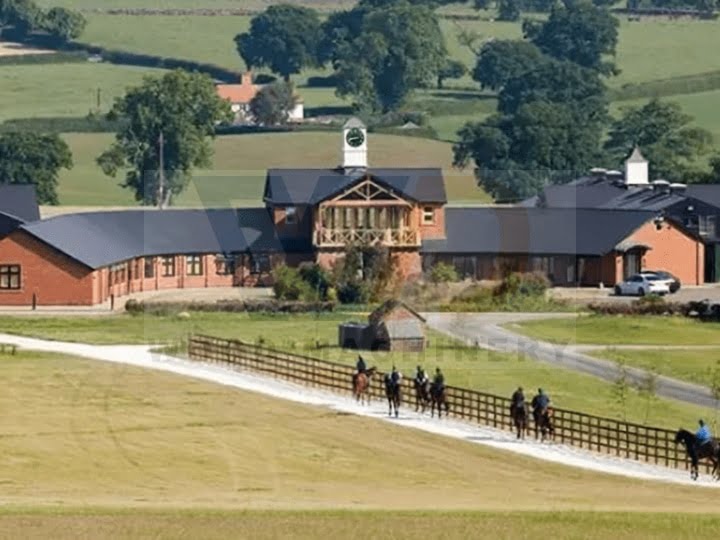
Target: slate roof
{"x": 535, "y": 231}
{"x": 312, "y": 186}
{"x": 99, "y": 239}
{"x": 405, "y": 329}
{"x": 19, "y": 200}
{"x": 708, "y": 193}
{"x": 8, "y": 224}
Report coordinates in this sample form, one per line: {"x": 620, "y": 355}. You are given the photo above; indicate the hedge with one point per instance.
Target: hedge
{"x": 227, "y": 306}
{"x": 47, "y": 58}
{"x": 83, "y": 124}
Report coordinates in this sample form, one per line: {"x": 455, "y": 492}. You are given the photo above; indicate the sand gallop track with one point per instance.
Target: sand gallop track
{"x": 142, "y": 356}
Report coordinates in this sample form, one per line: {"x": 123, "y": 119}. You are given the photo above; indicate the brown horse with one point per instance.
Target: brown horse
{"x": 709, "y": 451}
{"x": 422, "y": 394}
{"x": 361, "y": 385}
{"x": 393, "y": 393}
{"x": 438, "y": 398}
{"x": 543, "y": 423}
{"x": 519, "y": 415}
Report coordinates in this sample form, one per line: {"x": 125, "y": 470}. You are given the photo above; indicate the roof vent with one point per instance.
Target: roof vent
{"x": 677, "y": 186}
{"x": 598, "y": 172}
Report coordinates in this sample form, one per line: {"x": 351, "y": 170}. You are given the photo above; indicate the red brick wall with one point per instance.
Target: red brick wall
{"x": 407, "y": 263}
{"x": 436, "y": 229}
{"x": 672, "y": 250}
{"x": 54, "y": 278}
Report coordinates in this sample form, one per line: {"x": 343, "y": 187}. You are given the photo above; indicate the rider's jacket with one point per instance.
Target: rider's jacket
{"x": 541, "y": 401}
{"x": 703, "y": 435}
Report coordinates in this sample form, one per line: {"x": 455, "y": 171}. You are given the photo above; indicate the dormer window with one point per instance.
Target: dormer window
{"x": 428, "y": 215}
{"x": 290, "y": 215}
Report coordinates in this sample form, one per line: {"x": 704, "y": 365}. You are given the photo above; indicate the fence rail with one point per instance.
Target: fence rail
{"x": 595, "y": 433}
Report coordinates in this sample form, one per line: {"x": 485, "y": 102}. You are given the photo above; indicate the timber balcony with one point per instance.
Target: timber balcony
{"x": 371, "y": 237}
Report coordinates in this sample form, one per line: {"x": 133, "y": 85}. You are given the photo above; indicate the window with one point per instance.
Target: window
{"x": 149, "y": 267}
{"x": 194, "y": 265}
{"x": 10, "y": 277}
{"x": 168, "y": 266}
{"x": 224, "y": 265}
{"x": 259, "y": 264}
{"x": 428, "y": 215}
{"x": 290, "y": 215}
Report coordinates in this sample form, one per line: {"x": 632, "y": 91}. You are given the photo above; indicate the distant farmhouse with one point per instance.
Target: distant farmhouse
{"x": 240, "y": 96}
{"x": 598, "y": 229}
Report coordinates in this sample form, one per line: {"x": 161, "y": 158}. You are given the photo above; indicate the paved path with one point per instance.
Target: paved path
{"x": 485, "y": 330}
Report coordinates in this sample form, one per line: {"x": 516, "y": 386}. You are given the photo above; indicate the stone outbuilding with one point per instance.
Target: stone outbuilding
{"x": 394, "y": 326}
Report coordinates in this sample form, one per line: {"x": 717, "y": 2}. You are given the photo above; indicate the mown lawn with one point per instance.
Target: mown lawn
{"x": 79, "y": 433}
{"x": 240, "y": 163}
{"x": 700, "y": 366}
{"x": 614, "y": 330}
{"x": 81, "y": 524}
{"x": 463, "y": 366}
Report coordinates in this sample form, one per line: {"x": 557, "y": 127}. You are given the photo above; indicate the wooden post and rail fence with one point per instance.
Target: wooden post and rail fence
{"x": 603, "y": 435}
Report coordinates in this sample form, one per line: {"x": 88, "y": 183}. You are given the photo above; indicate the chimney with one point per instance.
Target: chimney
{"x": 636, "y": 169}
{"x": 246, "y": 79}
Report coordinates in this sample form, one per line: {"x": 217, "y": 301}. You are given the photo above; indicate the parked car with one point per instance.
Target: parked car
{"x": 642, "y": 284}
{"x": 673, "y": 282}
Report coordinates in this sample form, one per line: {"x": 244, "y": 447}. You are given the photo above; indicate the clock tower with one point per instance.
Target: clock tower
{"x": 354, "y": 145}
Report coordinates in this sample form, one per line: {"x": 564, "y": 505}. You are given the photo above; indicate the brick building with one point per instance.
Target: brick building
{"x": 313, "y": 215}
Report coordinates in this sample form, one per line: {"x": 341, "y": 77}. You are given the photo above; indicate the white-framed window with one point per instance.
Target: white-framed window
{"x": 194, "y": 265}
{"x": 428, "y": 215}
{"x": 290, "y": 215}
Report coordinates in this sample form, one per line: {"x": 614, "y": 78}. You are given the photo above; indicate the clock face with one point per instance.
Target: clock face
{"x": 355, "y": 137}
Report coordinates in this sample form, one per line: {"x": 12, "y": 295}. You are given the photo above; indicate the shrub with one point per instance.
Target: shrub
{"x": 443, "y": 273}
{"x": 289, "y": 285}
{"x": 317, "y": 278}
{"x": 523, "y": 284}
{"x": 226, "y": 306}
{"x": 354, "y": 292}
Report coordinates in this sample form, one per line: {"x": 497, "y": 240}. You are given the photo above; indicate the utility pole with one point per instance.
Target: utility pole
{"x": 161, "y": 172}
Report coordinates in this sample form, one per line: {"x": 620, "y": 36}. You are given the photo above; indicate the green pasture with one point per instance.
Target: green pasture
{"x": 32, "y": 91}
{"x": 463, "y": 366}
{"x": 699, "y": 366}
{"x": 241, "y": 161}
{"x": 613, "y": 330}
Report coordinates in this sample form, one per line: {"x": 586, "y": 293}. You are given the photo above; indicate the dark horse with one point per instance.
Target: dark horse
{"x": 438, "y": 398}
{"x": 422, "y": 394}
{"x": 710, "y": 450}
{"x": 519, "y": 415}
{"x": 543, "y": 423}
{"x": 361, "y": 385}
{"x": 394, "y": 395}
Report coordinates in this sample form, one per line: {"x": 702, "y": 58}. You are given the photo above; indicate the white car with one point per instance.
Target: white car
{"x": 642, "y": 284}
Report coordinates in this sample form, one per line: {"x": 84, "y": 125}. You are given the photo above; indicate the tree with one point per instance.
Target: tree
{"x": 21, "y": 15}
{"x": 664, "y": 134}
{"x": 508, "y": 10}
{"x": 63, "y": 24}
{"x": 713, "y": 177}
{"x": 284, "y": 38}
{"x": 31, "y": 158}
{"x": 578, "y": 32}
{"x": 273, "y": 104}
{"x": 167, "y": 123}
{"x": 398, "y": 49}
{"x": 502, "y": 60}
{"x": 453, "y": 69}
{"x": 557, "y": 82}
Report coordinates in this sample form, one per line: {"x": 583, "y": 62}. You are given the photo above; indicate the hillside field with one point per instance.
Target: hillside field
{"x": 240, "y": 163}
{"x": 96, "y": 450}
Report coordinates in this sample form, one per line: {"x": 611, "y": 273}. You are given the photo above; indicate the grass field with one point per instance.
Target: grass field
{"x": 63, "y": 89}
{"x": 83, "y": 433}
{"x": 241, "y": 161}
{"x": 83, "y": 524}
{"x": 608, "y": 330}
{"x": 700, "y": 366}
{"x": 463, "y": 366}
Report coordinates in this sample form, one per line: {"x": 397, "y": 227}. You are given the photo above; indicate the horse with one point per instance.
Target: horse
{"x": 543, "y": 423}
{"x": 393, "y": 394}
{"x": 519, "y": 416}
{"x": 422, "y": 394}
{"x": 709, "y": 451}
{"x": 361, "y": 385}
{"x": 438, "y": 399}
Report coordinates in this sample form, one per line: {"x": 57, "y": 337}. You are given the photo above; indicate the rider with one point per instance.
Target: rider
{"x": 517, "y": 401}
{"x": 361, "y": 365}
{"x": 420, "y": 376}
{"x": 395, "y": 377}
{"x": 540, "y": 402}
{"x": 439, "y": 380}
{"x": 703, "y": 434}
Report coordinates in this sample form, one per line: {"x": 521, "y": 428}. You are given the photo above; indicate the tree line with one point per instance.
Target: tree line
{"x": 21, "y": 19}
